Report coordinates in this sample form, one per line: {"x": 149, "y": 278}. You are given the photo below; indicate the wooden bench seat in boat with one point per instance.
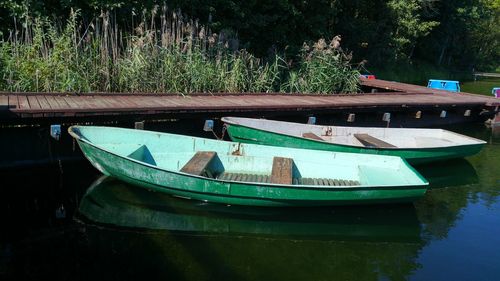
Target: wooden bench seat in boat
{"x": 371, "y": 141}
{"x": 312, "y": 136}
{"x": 198, "y": 164}
{"x": 282, "y": 170}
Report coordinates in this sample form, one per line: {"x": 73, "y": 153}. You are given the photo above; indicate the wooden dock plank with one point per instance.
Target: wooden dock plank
{"x": 103, "y": 104}
{"x": 82, "y": 102}
{"x": 114, "y": 102}
{"x": 128, "y": 102}
{"x": 237, "y": 103}
{"x": 33, "y": 101}
{"x": 44, "y": 104}
{"x": 56, "y": 102}
{"x": 72, "y": 101}
{"x": 13, "y": 102}
{"x": 4, "y": 102}
{"x": 215, "y": 101}
{"x": 97, "y": 102}
{"x": 23, "y": 102}
{"x": 133, "y": 102}
{"x": 89, "y": 102}
{"x": 171, "y": 102}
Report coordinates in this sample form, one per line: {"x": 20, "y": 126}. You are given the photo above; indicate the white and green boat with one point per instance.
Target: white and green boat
{"x": 415, "y": 145}
{"x": 246, "y": 174}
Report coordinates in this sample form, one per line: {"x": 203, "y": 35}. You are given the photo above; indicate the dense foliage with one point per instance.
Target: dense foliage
{"x": 164, "y": 53}
{"x": 457, "y": 35}
{"x": 460, "y": 34}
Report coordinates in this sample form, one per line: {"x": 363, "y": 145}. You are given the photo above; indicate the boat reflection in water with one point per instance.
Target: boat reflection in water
{"x": 133, "y": 233}
{"x": 112, "y": 202}
{"x": 449, "y": 173}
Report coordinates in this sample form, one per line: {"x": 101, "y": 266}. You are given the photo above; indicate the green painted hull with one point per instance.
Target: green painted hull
{"x": 245, "y": 134}
{"x": 111, "y": 159}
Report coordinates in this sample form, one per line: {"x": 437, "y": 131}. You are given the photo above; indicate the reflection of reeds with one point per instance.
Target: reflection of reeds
{"x": 164, "y": 53}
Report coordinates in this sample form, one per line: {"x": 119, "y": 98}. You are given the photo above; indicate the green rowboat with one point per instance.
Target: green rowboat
{"x": 415, "y": 145}
{"x": 246, "y": 174}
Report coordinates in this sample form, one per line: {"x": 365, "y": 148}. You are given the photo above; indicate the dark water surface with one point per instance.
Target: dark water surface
{"x": 66, "y": 222}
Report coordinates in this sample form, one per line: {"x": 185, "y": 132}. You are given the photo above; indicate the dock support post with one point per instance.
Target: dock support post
{"x": 139, "y": 125}
{"x": 351, "y": 117}
{"x": 387, "y": 118}
{"x": 208, "y": 126}
{"x": 55, "y": 131}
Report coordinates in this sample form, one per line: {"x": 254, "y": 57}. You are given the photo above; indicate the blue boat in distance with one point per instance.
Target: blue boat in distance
{"x": 447, "y": 85}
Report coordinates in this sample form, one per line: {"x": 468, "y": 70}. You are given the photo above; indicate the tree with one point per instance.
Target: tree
{"x": 408, "y": 26}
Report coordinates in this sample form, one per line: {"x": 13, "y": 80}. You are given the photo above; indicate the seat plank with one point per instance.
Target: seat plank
{"x": 370, "y": 141}
{"x": 222, "y": 176}
{"x": 242, "y": 177}
{"x": 325, "y": 182}
{"x": 198, "y": 164}
{"x": 312, "y": 136}
{"x": 282, "y": 170}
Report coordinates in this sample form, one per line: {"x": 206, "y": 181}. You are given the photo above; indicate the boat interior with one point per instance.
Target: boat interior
{"x": 204, "y": 163}
{"x": 270, "y": 169}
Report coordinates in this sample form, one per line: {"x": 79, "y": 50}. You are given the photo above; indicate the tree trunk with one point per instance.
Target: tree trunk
{"x": 411, "y": 51}
{"x": 443, "y": 49}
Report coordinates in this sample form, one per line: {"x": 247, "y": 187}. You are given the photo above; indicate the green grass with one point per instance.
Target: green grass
{"x": 481, "y": 86}
{"x": 164, "y": 53}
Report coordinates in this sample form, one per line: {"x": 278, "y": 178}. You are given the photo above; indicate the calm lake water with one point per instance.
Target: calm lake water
{"x": 66, "y": 222}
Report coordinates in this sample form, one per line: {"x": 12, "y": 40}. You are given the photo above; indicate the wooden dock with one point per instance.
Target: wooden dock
{"x": 20, "y": 108}
{"x": 486, "y": 74}
{"x": 25, "y": 118}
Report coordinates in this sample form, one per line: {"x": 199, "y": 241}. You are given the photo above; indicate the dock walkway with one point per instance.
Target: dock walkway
{"x": 21, "y": 107}
{"x": 486, "y": 74}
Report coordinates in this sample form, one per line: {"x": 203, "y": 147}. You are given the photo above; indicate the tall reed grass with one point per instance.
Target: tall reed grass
{"x": 323, "y": 68}
{"x": 165, "y": 52}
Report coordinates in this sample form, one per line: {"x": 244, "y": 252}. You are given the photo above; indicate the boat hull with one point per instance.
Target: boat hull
{"x": 245, "y": 134}
{"x": 240, "y": 193}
